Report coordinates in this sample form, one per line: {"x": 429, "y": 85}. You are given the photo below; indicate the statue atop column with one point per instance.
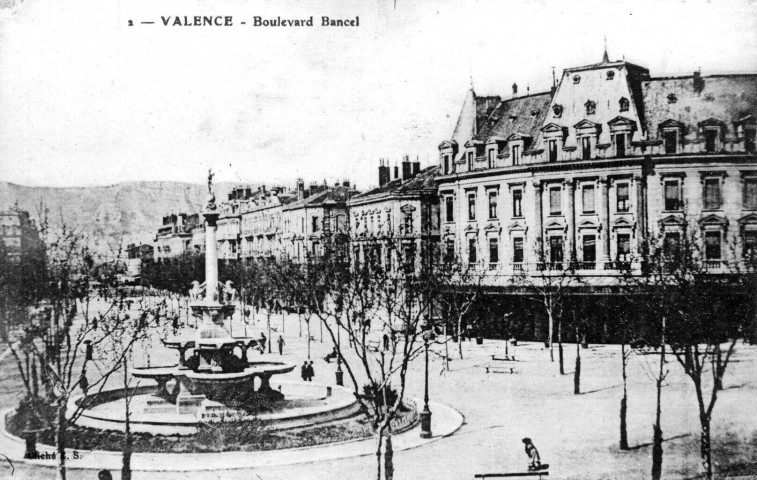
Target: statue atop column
{"x": 211, "y": 198}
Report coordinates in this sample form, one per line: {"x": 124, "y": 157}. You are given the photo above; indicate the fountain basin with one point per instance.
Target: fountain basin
{"x": 303, "y": 404}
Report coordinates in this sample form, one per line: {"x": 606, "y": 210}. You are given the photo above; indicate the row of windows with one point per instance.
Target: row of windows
{"x": 713, "y": 247}
{"x": 588, "y": 202}
{"x": 672, "y": 191}
{"x": 712, "y": 196}
{"x": 671, "y": 138}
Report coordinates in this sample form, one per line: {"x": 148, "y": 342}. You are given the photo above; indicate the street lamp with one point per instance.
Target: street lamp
{"x": 426, "y": 413}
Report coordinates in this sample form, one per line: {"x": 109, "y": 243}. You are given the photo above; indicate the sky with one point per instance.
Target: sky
{"x": 87, "y": 100}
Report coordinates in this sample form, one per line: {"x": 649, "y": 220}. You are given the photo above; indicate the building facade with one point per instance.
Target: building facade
{"x": 18, "y": 232}
{"x": 316, "y": 221}
{"x": 178, "y": 235}
{"x": 590, "y": 173}
{"x": 399, "y": 220}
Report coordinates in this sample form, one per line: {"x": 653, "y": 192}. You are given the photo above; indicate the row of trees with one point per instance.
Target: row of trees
{"x": 380, "y": 312}
{"x": 67, "y": 331}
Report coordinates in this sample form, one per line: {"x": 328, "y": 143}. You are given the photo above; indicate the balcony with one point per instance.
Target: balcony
{"x": 549, "y": 266}
{"x": 518, "y": 267}
{"x": 714, "y": 265}
{"x": 586, "y": 265}
{"x": 493, "y": 266}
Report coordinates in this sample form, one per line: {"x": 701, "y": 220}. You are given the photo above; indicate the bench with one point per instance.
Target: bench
{"x": 499, "y": 369}
{"x": 536, "y": 473}
{"x": 503, "y": 358}
{"x": 373, "y": 345}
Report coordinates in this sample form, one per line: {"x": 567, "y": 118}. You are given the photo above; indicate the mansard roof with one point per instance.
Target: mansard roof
{"x": 330, "y": 195}
{"x": 522, "y": 115}
{"x": 473, "y": 115}
{"x": 693, "y": 99}
{"x": 424, "y": 180}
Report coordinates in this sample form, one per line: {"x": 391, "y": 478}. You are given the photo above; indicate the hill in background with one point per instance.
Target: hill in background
{"x": 128, "y": 212}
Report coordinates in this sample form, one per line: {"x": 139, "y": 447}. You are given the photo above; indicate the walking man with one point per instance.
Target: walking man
{"x": 281, "y": 345}
{"x": 311, "y": 372}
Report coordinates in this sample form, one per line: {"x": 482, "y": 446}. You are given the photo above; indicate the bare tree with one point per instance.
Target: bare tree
{"x": 550, "y": 284}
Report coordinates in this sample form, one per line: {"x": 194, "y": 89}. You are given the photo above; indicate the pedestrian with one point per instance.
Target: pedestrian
{"x": 311, "y": 372}
{"x": 533, "y": 455}
{"x": 386, "y": 342}
{"x": 263, "y": 339}
{"x": 281, "y": 345}
{"x": 304, "y": 371}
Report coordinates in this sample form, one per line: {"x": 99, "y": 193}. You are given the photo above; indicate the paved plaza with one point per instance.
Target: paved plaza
{"x": 576, "y": 435}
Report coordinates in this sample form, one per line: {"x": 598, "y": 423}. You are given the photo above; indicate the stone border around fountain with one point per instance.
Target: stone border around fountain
{"x": 445, "y": 422}
{"x": 345, "y": 406}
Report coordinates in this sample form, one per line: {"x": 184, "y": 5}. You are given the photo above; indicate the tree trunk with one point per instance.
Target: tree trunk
{"x": 705, "y": 446}
{"x": 577, "y": 373}
{"x": 379, "y": 439}
{"x": 60, "y": 439}
{"x": 308, "y": 332}
{"x": 460, "y": 336}
{"x": 623, "y": 401}
{"x": 127, "y": 449}
{"x": 446, "y": 348}
{"x": 657, "y": 452}
{"x": 559, "y": 346}
{"x": 550, "y": 333}
{"x": 388, "y": 457}
{"x": 657, "y": 434}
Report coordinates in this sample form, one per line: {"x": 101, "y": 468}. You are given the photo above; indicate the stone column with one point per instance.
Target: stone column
{"x": 538, "y": 227}
{"x": 570, "y": 218}
{"x": 604, "y": 217}
{"x": 211, "y": 257}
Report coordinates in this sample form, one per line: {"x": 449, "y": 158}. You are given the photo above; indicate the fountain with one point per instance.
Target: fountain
{"x": 218, "y": 380}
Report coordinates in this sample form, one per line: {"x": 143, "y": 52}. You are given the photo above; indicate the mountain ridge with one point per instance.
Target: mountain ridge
{"x": 111, "y": 215}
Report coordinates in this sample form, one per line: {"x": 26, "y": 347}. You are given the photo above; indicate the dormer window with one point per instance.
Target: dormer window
{"x": 670, "y": 138}
{"x": 711, "y": 139}
{"x": 585, "y": 148}
{"x": 624, "y": 104}
{"x": 591, "y": 107}
{"x": 749, "y": 139}
{"x": 576, "y": 79}
{"x": 492, "y": 158}
{"x": 610, "y": 75}
{"x": 470, "y": 161}
{"x": 515, "y": 152}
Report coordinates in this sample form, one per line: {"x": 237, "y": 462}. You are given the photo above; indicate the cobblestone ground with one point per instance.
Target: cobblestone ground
{"x": 576, "y": 434}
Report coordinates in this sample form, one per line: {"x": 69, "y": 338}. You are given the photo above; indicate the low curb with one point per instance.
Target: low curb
{"x": 445, "y": 422}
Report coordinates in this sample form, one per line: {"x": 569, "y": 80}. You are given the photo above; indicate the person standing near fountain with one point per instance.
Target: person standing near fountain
{"x": 281, "y": 345}
{"x": 304, "y": 371}
{"x": 310, "y": 371}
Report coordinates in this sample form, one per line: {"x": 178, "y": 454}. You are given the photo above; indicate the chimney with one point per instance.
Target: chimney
{"x": 515, "y": 90}
{"x": 346, "y": 183}
{"x": 698, "y": 82}
{"x": 416, "y": 166}
{"x": 406, "y": 168}
{"x": 383, "y": 173}
{"x": 300, "y": 189}
{"x": 396, "y": 172}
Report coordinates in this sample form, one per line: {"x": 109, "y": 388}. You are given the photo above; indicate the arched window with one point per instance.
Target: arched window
{"x": 624, "y": 104}
{"x": 591, "y": 107}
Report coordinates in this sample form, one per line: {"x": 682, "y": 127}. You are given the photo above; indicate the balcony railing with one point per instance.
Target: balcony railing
{"x": 518, "y": 267}
{"x": 587, "y": 266}
{"x": 713, "y": 264}
{"x": 493, "y": 266}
